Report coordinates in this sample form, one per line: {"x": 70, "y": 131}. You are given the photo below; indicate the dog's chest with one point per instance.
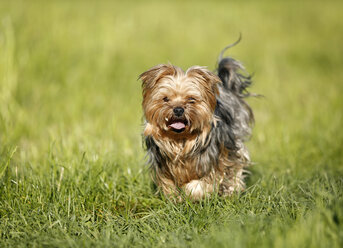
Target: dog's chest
{"x": 181, "y": 162}
{"x": 183, "y": 171}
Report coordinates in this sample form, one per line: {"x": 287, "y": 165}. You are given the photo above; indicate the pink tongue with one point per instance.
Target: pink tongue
{"x": 178, "y": 125}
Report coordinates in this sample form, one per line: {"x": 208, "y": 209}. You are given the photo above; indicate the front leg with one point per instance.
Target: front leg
{"x": 198, "y": 189}
{"x": 168, "y": 188}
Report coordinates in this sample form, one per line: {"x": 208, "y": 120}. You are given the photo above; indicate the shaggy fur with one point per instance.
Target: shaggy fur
{"x": 195, "y": 125}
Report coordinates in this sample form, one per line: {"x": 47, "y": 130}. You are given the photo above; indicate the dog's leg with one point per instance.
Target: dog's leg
{"x": 169, "y": 189}
{"x": 198, "y": 189}
{"x": 233, "y": 181}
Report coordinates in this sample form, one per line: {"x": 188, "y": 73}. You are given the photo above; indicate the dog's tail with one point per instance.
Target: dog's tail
{"x": 233, "y": 74}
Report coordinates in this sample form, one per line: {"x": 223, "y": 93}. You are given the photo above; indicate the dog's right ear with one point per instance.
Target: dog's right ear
{"x": 154, "y": 74}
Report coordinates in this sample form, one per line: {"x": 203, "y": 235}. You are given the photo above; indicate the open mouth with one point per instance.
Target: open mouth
{"x": 177, "y": 125}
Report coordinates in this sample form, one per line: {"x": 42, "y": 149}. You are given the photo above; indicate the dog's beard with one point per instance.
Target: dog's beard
{"x": 196, "y": 121}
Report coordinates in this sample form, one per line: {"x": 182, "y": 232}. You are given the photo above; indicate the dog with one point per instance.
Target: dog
{"x": 196, "y": 123}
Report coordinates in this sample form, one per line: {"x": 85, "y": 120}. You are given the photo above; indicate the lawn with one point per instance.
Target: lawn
{"x": 72, "y": 166}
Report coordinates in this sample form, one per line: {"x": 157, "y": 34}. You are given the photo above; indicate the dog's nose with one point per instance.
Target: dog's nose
{"x": 178, "y": 111}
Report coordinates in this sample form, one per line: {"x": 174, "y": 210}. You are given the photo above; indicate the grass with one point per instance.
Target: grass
{"x": 72, "y": 170}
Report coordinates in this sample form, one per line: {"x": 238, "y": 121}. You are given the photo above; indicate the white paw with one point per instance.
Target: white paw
{"x": 197, "y": 189}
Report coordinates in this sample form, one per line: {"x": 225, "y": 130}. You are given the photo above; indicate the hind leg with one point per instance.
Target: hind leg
{"x": 233, "y": 181}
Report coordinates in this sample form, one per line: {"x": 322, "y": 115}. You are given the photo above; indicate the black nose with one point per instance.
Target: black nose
{"x": 178, "y": 111}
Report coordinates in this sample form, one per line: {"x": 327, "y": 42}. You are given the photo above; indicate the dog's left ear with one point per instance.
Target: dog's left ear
{"x": 205, "y": 77}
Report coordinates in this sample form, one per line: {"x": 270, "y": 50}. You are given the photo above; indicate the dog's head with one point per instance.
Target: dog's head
{"x": 177, "y": 103}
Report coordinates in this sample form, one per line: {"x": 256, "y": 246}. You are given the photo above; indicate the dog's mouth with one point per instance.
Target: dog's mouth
{"x": 177, "y": 125}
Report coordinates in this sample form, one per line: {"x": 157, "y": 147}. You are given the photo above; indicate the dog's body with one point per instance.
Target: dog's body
{"x": 196, "y": 123}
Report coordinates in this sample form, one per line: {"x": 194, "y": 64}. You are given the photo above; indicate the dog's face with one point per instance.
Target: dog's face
{"x": 176, "y": 103}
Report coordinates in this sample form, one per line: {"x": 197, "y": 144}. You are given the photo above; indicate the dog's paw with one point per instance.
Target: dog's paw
{"x": 197, "y": 189}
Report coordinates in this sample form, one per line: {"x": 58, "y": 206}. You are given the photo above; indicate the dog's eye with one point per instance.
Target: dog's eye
{"x": 191, "y": 100}
{"x": 166, "y": 99}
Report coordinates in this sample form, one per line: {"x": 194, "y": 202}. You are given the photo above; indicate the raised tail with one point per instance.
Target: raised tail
{"x": 233, "y": 74}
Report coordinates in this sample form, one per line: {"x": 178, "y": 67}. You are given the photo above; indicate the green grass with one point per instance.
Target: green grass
{"x": 72, "y": 170}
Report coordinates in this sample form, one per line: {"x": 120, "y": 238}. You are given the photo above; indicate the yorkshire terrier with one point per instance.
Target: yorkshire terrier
{"x": 195, "y": 125}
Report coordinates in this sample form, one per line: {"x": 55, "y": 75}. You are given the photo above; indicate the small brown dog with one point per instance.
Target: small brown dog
{"x": 196, "y": 123}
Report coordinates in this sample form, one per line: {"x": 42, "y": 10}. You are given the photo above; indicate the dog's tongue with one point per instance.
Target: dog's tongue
{"x": 178, "y": 125}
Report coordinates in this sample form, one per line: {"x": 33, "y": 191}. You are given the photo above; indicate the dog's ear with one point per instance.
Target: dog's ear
{"x": 205, "y": 77}
{"x": 151, "y": 76}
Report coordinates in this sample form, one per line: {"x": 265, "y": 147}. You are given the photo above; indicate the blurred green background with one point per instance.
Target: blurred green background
{"x": 71, "y": 121}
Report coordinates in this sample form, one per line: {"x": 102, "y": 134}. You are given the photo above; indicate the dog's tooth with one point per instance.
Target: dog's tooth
{"x": 166, "y": 119}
